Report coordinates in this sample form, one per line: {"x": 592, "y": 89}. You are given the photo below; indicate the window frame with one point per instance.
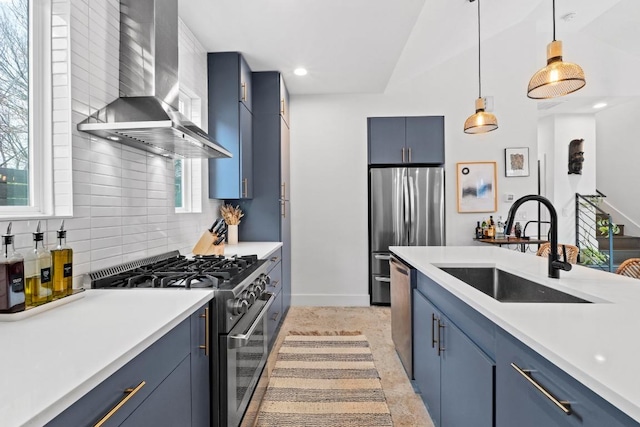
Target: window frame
{"x": 40, "y": 117}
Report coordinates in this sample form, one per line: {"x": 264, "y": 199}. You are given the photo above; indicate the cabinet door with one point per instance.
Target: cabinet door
{"x": 200, "y": 381}
{"x": 246, "y": 153}
{"x": 467, "y": 379}
{"x": 387, "y": 140}
{"x": 245, "y": 94}
{"x": 285, "y": 216}
{"x": 425, "y": 140}
{"x": 284, "y": 102}
{"x": 170, "y": 403}
{"x": 426, "y": 365}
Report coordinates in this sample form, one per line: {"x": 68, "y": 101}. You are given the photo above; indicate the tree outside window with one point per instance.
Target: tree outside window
{"x": 14, "y": 103}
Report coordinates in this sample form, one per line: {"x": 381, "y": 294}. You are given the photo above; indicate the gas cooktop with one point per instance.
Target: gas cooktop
{"x": 173, "y": 270}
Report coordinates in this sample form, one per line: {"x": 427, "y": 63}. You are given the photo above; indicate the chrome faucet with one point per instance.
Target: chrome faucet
{"x": 555, "y": 265}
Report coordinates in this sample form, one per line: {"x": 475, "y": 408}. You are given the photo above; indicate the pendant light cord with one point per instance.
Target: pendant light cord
{"x": 479, "y": 68}
{"x": 554, "y": 20}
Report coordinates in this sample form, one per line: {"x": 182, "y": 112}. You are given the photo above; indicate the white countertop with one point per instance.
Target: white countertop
{"x": 597, "y": 344}
{"x": 262, "y": 249}
{"x": 52, "y": 359}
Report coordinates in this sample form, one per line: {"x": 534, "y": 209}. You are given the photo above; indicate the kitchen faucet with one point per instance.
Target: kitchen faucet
{"x": 555, "y": 265}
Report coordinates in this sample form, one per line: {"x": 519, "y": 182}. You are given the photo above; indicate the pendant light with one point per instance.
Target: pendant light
{"x": 481, "y": 121}
{"x": 558, "y": 78}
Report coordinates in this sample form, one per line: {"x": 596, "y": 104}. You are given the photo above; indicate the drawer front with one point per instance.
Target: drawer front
{"x": 276, "y": 279}
{"x": 151, "y": 366}
{"x": 274, "y": 259}
{"x": 520, "y": 402}
{"x": 274, "y": 316}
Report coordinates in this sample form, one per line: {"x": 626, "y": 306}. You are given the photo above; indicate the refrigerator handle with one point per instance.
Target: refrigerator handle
{"x": 407, "y": 219}
{"x": 412, "y": 212}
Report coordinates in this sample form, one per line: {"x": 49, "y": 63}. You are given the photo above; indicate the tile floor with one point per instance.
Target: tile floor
{"x": 407, "y": 409}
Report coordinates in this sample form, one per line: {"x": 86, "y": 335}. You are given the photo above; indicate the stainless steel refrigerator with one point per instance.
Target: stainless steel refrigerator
{"x": 406, "y": 208}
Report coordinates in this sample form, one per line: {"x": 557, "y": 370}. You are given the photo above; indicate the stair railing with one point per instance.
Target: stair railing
{"x": 586, "y": 232}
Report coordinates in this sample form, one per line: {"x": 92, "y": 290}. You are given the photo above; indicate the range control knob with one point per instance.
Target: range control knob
{"x": 248, "y": 296}
{"x": 256, "y": 288}
{"x": 265, "y": 279}
{"x": 239, "y": 306}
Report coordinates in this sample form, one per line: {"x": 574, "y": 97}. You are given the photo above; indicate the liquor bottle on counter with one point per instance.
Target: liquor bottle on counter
{"x": 485, "y": 229}
{"x": 478, "y": 231}
{"x": 37, "y": 272}
{"x": 62, "y": 256}
{"x": 12, "y": 298}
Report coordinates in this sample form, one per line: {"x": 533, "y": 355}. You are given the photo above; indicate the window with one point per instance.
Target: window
{"x": 25, "y": 107}
{"x": 188, "y": 172}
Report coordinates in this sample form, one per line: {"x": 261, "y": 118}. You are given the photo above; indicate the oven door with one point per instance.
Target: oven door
{"x": 247, "y": 351}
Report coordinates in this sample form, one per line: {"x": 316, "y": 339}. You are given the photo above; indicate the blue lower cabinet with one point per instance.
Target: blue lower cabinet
{"x": 274, "y": 317}
{"x": 426, "y": 362}
{"x": 200, "y": 381}
{"x": 454, "y": 376}
{"x": 467, "y": 380}
{"x": 170, "y": 403}
{"x": 532, "y": 392}
{"x": 156, "y": 388}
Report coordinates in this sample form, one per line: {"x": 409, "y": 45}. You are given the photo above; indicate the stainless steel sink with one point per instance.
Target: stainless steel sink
{"x": 507, "y": 287}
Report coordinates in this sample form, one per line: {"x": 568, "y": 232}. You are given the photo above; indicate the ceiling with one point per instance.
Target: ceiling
{"x": 363, "y": 46}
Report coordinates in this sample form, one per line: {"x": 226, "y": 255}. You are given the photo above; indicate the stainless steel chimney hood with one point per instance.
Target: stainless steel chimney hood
{"x": 146, "y": 115}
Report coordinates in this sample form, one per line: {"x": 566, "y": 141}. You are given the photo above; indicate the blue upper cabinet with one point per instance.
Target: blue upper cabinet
{"x": 231, "y": 124}
{"x": 406, "y": 140}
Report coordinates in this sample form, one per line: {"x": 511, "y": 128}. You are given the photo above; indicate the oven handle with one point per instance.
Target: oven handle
{"x": 241, "y": 340}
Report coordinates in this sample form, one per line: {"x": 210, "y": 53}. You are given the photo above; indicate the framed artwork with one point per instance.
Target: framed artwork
{"x": 476, "y": 184}
{"x": 516, "y": 161}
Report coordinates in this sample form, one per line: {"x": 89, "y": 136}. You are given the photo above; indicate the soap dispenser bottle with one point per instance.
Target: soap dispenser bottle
{"x": 12, "y": 296}
{"x": 37, "y": 272}
{"x": 62, "y": 256}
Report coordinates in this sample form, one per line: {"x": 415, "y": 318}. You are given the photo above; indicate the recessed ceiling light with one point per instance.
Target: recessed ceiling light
{"x": 600, "y": 105}
{"x": 300, "y": 71}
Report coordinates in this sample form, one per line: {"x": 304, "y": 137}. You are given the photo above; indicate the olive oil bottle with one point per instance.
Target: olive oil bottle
{"x": 37, "y": 272}
{"x": 12, "y": 297}
{"x": 62, "y": 256}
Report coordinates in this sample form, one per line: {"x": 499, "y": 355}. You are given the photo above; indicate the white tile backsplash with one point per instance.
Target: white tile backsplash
{"x": 123, "y": 198}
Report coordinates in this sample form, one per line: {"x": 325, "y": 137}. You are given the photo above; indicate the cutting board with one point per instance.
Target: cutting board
{"x": 205, "y": 245}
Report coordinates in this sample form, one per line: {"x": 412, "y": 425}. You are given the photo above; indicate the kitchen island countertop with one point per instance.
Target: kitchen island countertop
{"x": 51, "y": 359}
{"x": 595, "y": 343}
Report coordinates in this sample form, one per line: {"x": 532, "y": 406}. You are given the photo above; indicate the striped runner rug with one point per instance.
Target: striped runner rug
{"x": 324, "y": 380}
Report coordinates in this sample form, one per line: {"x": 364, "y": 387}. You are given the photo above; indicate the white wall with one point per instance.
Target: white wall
{"x": 329, "y": 160}
{"x": 618, "y": 151}
{"x": 555, "y": 134}
{"x": 122, "y": 197}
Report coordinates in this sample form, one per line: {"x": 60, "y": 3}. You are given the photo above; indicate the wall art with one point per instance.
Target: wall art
{"x": 476, "y": 185}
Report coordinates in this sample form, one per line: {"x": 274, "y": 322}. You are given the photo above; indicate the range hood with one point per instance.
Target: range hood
{"x": 146, "y": 115}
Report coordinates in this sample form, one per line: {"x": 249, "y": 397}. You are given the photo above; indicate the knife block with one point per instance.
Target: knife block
{"x": 205, "y": 245}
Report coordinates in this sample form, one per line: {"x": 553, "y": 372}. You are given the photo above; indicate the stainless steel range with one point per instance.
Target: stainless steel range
{"x": 238, "y": 326}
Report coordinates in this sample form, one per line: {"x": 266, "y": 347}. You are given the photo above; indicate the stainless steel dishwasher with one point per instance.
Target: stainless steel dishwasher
{"x": 403, "y": 280}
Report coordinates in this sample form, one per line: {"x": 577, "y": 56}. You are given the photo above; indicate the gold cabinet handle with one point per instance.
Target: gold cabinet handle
{"x": 440, "y": 347}
{"x": 409, "y": 150}
{"x": 284, "y": 190}
{"x": 275, "y": 316}
{"x": 275, "y": 283}
{"x": 245, "y": 187}
{"x": 282, "y": 106}
{"x": 275, "y": 259}
{"x": 244, "y": 91}
{"x": 129, "y": 393}
{"x": 284, "y": 209}
{"x": 563, "y": 405}
{"x": 205, "y": 316}
{"x": 402, "y": 154}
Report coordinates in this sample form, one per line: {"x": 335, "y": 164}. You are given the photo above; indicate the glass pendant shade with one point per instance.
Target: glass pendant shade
{"x": 558, "y": 78}
{"x": 481, "y": 121}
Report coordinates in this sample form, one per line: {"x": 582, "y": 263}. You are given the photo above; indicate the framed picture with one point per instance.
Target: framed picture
{"x": 476, "y": 184}
{"x": 516, "y": 161}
